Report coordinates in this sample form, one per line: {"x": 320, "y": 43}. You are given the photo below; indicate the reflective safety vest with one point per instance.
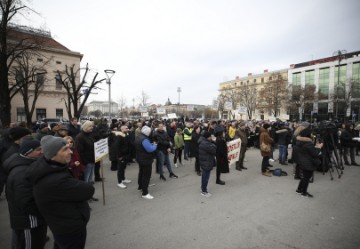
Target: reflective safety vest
{"x": 187, "y": 137}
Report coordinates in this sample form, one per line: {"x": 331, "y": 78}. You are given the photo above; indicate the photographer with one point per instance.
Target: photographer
{"x": 307, "y": 156}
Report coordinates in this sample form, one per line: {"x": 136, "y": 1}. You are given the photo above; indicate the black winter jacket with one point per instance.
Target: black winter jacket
{"x": 306, "y": 154}
{"x": 61, "y": 199}
{"x": 207, "y": 153}
{"x": 142, "y": 156}
{"x": 23, "y": 211}
{"x": 84, "y": 143}
{"x": 162, "y": 139}
{"x": 194, "y": 144}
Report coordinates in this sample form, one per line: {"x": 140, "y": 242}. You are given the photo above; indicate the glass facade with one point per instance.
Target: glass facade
{"x": 310, "y": 77}
{"x": 355, "y": 80}
{"x": 296, "y": 79}
{"x": 324, "y": 77}
{"x": 340, "y": 81}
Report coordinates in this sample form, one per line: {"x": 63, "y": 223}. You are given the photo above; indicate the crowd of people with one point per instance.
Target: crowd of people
{"x": 49, "y": 174}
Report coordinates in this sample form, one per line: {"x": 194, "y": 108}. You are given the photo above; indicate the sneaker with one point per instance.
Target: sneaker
{"x": 271, "y": 160}
{"x": 172, "y": 175}
{"x": 162, "y": 178}
{"x": 175, "y": 165}
{"x": 198, "y": 173}
{"x": 206, "y": 194}
{"x": 307, "y": 195}
{"x": 126, "y": 181}
{"x": 122, "y": 185}
{"x": 220, "y": 182}
{"x": 148, "y": 197}
{"x": 298, "y": 192}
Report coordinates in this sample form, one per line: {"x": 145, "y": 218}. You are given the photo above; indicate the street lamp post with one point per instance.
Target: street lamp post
{"x": 109, "y": 74}
{"x": 179, "y": 91}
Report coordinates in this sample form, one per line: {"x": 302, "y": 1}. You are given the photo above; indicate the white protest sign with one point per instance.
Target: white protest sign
{"x": 233, "y": 148}
{"x": 101, "y": 149}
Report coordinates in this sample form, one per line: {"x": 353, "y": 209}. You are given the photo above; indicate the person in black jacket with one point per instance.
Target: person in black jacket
{"x": 222, "y": 164}
{"x": 348, "y": 144}
{"x": 61, "y": 199}
{"x": 73, "y": 127}
{"x": 207, "y": 153}
{"x": 194, "y": 148}
{"x": 307, "y": 156}
{"x": 122, "y": 145}
{"x": 29, "y": 227}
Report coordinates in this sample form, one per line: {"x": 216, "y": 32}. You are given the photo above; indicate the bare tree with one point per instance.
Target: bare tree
{"x": 11, "y": 49}
{"x": 122, "y": 102}
{"x": 273, "y": 97}
{"x": 229, "y": 94}
{"x": 75, "y": 91}
{"x": 30, "y": 80}
{"x": 248, "y": 98}
{"x": 344, "y": 93}
{"x": 300, "y": 96}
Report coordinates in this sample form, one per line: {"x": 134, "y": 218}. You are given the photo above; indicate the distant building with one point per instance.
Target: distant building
{"x": 103, "y": 106}
{"x": 337, "y": 87}
{"x": 50, "y": 103}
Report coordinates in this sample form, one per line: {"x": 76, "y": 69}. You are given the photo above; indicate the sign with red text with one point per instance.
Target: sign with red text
{"x": 233, "y": 150}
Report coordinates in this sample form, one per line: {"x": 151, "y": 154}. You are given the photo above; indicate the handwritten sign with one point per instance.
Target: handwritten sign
{"x": 233, "y": 148}
{"x": 101, "y": 149}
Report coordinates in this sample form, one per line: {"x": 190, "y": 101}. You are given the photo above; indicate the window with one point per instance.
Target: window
{"x": 296, "y": 79}
{"x": 324, "y": 76}
{"x": 58, "y": 62}
{"x": 20, "y": 114}
{"x": 40, "y": 113}
{"x": 270, "y": 78}
{"x": 59, "y": 113}
{"x": 58, "y": 85}
{"x": 254, "y": 80}
{"x": 310, "y": 77}
{"x": 322, "y": 108}
{"x": 262, "y": 80}
{"x": 355, "y": 80}
{"x": 39, "y": 59}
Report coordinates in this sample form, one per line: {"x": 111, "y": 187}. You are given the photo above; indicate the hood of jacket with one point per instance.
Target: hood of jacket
{"x": 16, "y": 160}
{"x": 302, "y": 140}
{"x": 42, "y": 167}
{"x": 119, "y": 133}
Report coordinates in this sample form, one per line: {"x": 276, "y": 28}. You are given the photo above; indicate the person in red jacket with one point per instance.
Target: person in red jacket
{"x": 76, "y": 166}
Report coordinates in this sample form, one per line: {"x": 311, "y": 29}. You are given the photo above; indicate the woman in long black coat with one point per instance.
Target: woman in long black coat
{"x": 222, "y": 163}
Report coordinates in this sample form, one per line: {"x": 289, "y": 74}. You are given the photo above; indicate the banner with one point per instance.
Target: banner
{"x": 215, "y": 104}
{"x": 160, "y": 110}
{"x": 190, "y": 108}
{"x": 101, "y": 149}
{"x": 228, "y": 105}
{"x": 233, "y": 148}
{"x": 172, "y": 115}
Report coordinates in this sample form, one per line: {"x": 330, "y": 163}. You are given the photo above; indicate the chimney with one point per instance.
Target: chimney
{"x": 249, "y": 74}
{"x": 266, "y": 70}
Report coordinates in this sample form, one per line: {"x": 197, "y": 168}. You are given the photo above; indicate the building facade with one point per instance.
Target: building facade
{"x": 51, "y": 57}
{"x": 336, "y": 82}
{"x": 103, "y": 106}
{"x": 240, "y": 98}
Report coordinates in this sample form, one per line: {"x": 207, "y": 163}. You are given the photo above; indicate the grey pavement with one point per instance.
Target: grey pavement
{"x": 251, "y": 211}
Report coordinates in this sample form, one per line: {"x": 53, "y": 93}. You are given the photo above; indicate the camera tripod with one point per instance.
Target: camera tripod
{"x": 331, "y": 158}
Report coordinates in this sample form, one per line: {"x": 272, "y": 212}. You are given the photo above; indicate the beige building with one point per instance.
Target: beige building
{"x": 55, "y": 56}
{"x": 240, "y": 96}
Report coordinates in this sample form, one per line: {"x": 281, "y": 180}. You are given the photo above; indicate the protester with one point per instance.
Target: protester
{"x": 145, "y": 156}
{"x": 61, "y": 131}
{"x": 42, "y": 131}
{"x": 222, "y": 164}
{"x": 207, "y": 153}
{"x": 122, "y": 145}
{"x": 76, "y": 166}
{"x": 61, "y": 199}
{"x": 349, "y": 144}
{"x": 194, "y": 148}
{"x": 265, "y": 142}
{"x": 179, "y": 145}
{"x": 187, "y": 138}
{"x": 307, "y": 156}
{"x": 73, "y": 127}
{"x": 29, "y": 227}
{"x": 283, "y": 137}
{"x": 241, "y": 133}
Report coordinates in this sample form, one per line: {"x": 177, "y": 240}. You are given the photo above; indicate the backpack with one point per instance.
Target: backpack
{"x": 279, "y": 172}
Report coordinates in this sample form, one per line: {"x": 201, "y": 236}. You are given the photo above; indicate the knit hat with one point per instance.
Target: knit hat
{"x": 266, "y": 126}
{"x": 28, "y": 146}
{"x": 18, "y": 132}
{"x": 206, "y": 134}
{"x": 51, "y": 145}
{"x": 146, "y": 130}
{"x": 242, "y": 124}
{"x": 87, "y": 124}
{"x": 306, "y": 132}
{"x": 62, "y": 127}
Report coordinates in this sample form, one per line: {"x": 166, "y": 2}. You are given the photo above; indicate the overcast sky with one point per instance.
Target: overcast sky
{"x": 156, "y": 46}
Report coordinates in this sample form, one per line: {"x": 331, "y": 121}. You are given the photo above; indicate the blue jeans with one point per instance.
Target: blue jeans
{"x": 187, "y": 149}
{"x": 282, "y": 152}
{"x": 205, "y": 175}
{"x": 88, "y": 172}
{"x": 161, "y": 159}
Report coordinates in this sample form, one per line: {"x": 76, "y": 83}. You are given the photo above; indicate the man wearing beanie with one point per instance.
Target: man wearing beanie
{"x": 29, "y": 227}
{"x": 145, "y": 157}
{"x": 61, "y": 198}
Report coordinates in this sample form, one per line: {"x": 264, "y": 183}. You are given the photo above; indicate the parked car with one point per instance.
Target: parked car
{"x": 50, "y": 121}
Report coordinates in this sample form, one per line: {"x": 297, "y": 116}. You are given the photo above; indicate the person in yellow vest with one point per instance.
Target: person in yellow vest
{"x": 232, "y": 130}
{"x": 187, "y": 139}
